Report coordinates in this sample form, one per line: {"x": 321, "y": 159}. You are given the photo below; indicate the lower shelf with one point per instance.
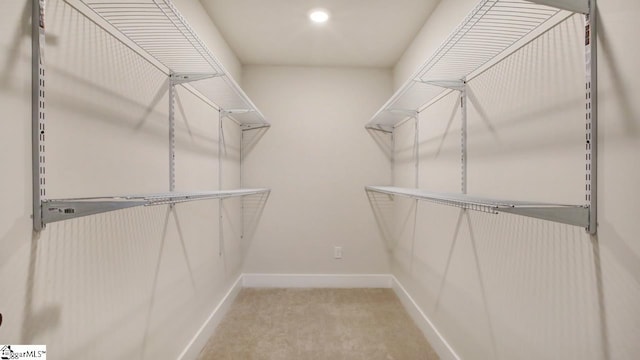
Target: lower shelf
{"x": 65, "y": 209}
{"x": 567, "y": 214}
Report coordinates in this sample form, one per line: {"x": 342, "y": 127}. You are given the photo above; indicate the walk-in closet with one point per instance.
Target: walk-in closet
{"x": 319, "y": 179}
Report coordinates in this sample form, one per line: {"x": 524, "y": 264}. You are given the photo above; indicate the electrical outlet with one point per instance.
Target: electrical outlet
{"x": 337, "y": 252}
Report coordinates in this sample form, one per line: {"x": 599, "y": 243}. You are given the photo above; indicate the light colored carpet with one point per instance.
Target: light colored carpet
{"x": 317, "y": 324}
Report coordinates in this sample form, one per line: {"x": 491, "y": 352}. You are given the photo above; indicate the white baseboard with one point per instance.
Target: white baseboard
{"x": 316, "y": 281}
{"x": 206, "y": 330}
{"x": 439, "y": 343}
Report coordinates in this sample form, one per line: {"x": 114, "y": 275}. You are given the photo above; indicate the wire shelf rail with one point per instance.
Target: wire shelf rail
{"x": 159, "y": 29}
{"x": 492, "y": 27}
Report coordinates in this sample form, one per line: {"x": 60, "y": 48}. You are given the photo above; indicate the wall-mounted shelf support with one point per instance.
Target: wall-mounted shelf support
{"x": 591, "y": 116}
{"x": 463, "y": 138}
{"x": 221, "y": 116}
{"x": 416, "y": 149}
{"x": 38, "y": 129}
{"x": 447, "y": 84}
{"x": 253, "y": 127}
{"x": 381, "y": 128}
{"x": 66, "y": 209}
{"x": 231, "y": 112}
{"x": 403, "y": 114}
{"x": 567, "y": 214}
{"x": 187, "y": 78}
{"x": 172, "y": 135}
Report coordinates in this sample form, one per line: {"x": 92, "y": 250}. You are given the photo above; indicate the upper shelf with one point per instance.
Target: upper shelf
{"x": 491, "y": 28}
{"x": 157, "y": 27}
{"x": 566, "y": 214}
{"x": 65, "y": 209}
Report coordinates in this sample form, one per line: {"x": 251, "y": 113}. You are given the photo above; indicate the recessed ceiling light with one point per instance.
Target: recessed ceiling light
{"x": 319, "y": 15}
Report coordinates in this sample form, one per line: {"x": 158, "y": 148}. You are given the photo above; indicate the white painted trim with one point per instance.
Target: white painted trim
{"x": 437, "y": 341}
{"x": 199, "y": 340}
{"x": 317, "y": 280}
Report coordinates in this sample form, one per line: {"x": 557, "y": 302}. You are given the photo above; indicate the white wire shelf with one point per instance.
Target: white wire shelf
{"x": 491, "y": 28}
{"x": 567, "y": 214}
{"x": 157, "y": 27}
{"x": 65, "y": 209}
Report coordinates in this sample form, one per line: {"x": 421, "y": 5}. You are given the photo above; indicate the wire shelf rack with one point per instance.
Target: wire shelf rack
{"x": 159, "y": 29}
{"x": 492, "y": 27}
{"x": 566, "y": 214}
{"x": 65, "y": 209}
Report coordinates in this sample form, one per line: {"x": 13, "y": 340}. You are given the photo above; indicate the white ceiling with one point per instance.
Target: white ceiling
{"x": 359, "y": 33}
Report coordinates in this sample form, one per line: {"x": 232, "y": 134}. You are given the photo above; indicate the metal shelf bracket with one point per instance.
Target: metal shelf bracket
{"x": 66, "y": 209}
{"x": 378, "y": 127}
{"x": 408, "y": 112}
{"x": 187, "y": 78}
{"x": 254, "y": 126}
{"x": 567, "y": 214}
{"x": 229, "y": 112}
{"x": 447, "y": 84}
{"x": 57, "y": 211}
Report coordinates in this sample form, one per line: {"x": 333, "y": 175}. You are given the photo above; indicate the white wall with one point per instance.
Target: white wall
{"x": 508, "y": 287}
{"x": 317, "y": 158}
{"x": 133, "y": 283}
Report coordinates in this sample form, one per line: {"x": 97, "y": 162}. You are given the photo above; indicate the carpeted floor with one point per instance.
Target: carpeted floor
{"x": 317, "y": 324}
